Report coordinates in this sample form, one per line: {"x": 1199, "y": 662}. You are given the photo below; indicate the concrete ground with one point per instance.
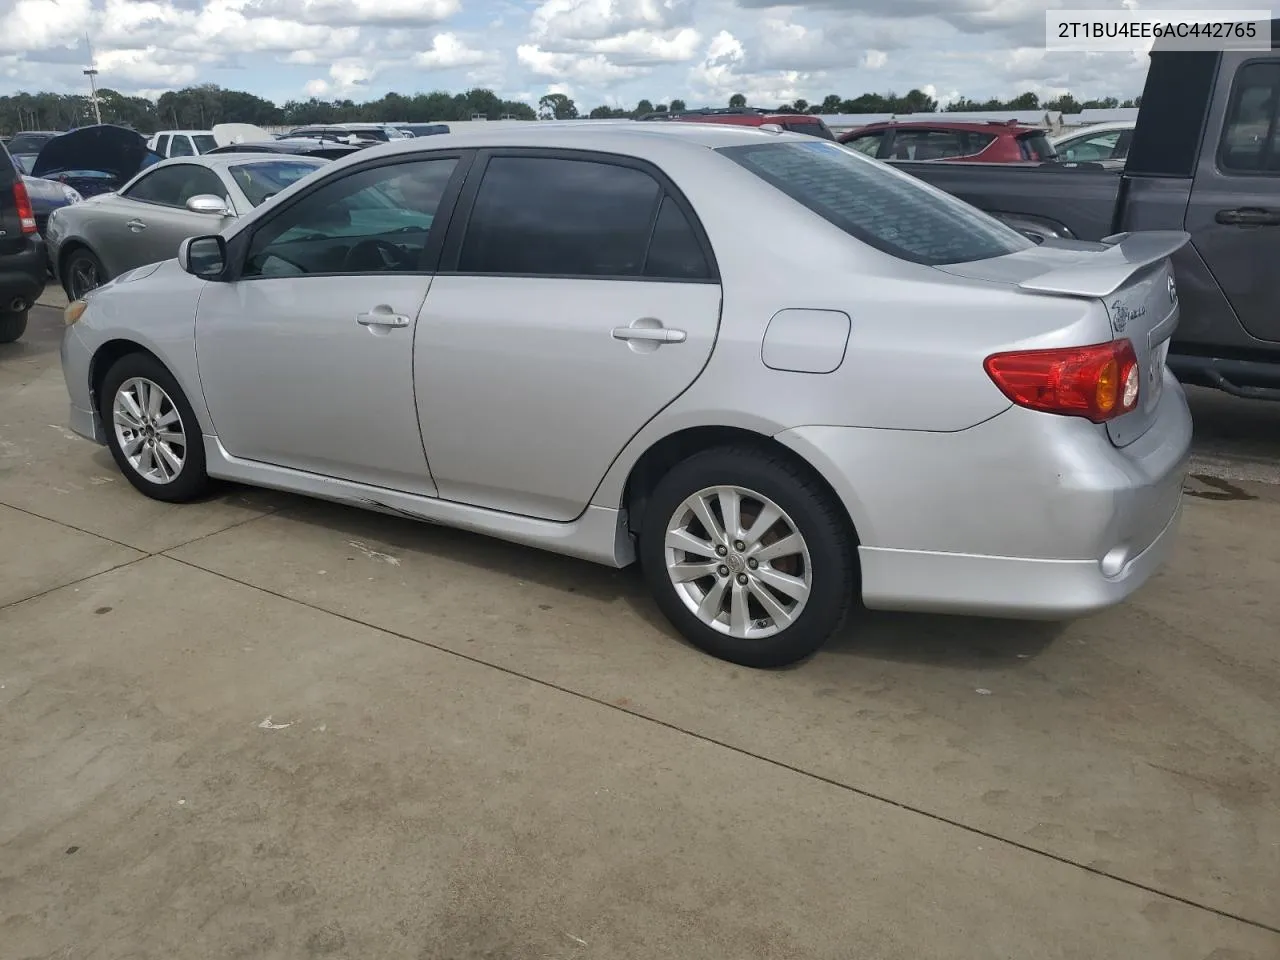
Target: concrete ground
{"x": 268, "y": 727}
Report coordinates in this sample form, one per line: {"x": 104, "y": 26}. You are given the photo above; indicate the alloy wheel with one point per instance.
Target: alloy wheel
{"x": 149, "y": 430}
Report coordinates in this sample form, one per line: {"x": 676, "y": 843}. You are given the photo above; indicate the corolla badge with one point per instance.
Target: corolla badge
{"x": 1173, "y": 291}
{"x": 1121, "y": 315}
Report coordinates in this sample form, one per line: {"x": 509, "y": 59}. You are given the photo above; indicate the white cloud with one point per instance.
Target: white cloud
{"x": 447, "y": 52}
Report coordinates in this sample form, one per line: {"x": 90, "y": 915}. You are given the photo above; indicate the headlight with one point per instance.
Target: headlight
{"x": 74, "y": 311}
{"x": 72, "y": 195}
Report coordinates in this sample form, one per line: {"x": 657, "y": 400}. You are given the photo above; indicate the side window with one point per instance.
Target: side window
{"x": 868, "y": 144}
{"x": 674, "y": 251}
{"x": 927, "y": 145}
{"x": 162, "y": 146}
{"x": 181, "y": 146}
{"x": 372, "y": 221}
{"x": 975, "y": 143}
{"x": 1100, "y": 147}
{"x": 1249, "y": 138}
{"x": 173, "y": 186}
{"x": 545, "y": 216}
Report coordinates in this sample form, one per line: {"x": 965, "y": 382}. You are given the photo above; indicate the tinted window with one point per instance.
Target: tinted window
{"x": 1036, "y": 146}
{"x": 162, "y": 145}
{"x": 543, "y": 216}
{"x": 674, "y": 251}
{"x": 868, "y": 143}
{"x": 977, "y": 142}
{"x": 263, "y": 179}
{"x": 204, "y": 142}
{"x": 881, "y": 206}
{"x": 1249, "y": 141}
{"x": 174, "y": 186}
{"x": 372, "y": 221}
{"x": 928, "y": 144}
{"x": 814, "y": 128}
{"x": 29, "y": 142}
{"x": 181, "y": 147}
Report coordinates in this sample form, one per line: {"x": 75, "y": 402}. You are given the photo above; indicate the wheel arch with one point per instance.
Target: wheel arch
{"x": 663, "y": 454}
{"x": 105, "y": 357}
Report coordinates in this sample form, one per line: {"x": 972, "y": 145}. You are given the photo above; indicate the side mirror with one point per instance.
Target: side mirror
{"x": 203, "y": 257}
{"x": 207, "y": 203}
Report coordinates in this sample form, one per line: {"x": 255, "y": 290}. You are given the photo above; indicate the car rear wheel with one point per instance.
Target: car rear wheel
{"x": 83, "y": 272}
{"x": 152, "y": 431}
{"x": 12, "y": 326}
{"x": 748, "y": 556}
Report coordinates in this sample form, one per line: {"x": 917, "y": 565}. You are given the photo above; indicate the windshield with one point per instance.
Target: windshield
{"x": 29, "y": 142}
{"x": 204, "y": 142}
{"x": 1036, "y": 146}
{"x": 883, "y": 207}
{"x": 265, "y": 178}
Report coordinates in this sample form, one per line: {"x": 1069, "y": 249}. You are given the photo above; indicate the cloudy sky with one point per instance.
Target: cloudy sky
{"x": 597, "y": 51}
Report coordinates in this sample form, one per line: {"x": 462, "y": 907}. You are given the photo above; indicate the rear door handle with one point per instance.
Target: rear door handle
{"x": 136, "y": 225}
{"x": 1249, "y": 217}
{"x": 380, "y": 318}
{"x": 650, "y": 334}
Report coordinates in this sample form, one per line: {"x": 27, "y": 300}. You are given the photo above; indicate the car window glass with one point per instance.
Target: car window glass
{"x": 173, "y": 186}
{"x": 674, "y": 250}
{"x": 1099, "y": 147}
{"x": 263, "y": 179}
{"x": 162, "y": 146}
{"x": 879, "y": 205}
{"x": 204, "y": 142}
{"x": 372, "y": 221}
{"x": 181, "y": 147}
{"x": 868, "y": 144}
{"x": 1249, "y": 142}
{"x": 977, "y": 142}
{"x": 927, "y": 145}
{"x": 555, "y": 217}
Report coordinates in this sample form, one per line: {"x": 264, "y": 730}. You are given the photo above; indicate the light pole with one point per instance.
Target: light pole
{"x": 93, "y": 86}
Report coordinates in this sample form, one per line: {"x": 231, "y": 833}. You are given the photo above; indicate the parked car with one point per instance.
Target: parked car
{"x": 991, "y": 141}
{"x": 182, "y": 143}
{"x": 22, "y": 252}
{"x": 350, "y": 132}
{"x": 144, "y": 222}
{"x": 94, "y": 160}
{"x": 422, "y": 129}
{"x": 414, "y": 329}
{"x": 297, "y": 146}
{"x": 1200, "y": 161}
{"x": 805, "y": 123}
{"x": 47, "y": 196}
{"x": 1099, "y": 141}
{"x": 24, "y": 147}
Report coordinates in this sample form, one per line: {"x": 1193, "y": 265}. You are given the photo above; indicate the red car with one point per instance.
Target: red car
{"x": 750, "y": 117}
{"x": 992, "y": 141}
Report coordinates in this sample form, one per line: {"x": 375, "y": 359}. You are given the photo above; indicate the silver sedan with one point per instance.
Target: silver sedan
{"x": 777, "y": 373}
{"x": 150, "y": 215}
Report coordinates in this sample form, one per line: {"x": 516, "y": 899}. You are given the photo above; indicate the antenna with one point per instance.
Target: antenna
{"x": 93, "y": 86}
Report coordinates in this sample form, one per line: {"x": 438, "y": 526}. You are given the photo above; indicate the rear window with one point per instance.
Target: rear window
{"x": 29, "y": 142}
{"x": 204, "y": 142}
{"x": 262, "y": 179}
{"x": 883, "y": 207}
{"x": 814, "y": 128}
{"x": 1036, "y": 146}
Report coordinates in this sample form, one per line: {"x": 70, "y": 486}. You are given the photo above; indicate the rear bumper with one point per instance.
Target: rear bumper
{"x": 1026, "y": 515}
{"x": 23, "y": 275}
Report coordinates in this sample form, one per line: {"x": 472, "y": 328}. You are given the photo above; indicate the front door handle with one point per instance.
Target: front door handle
{"x": 1249, "y": 217}
{"x": 382, "y": 318}
{"x": 649, "y": 334}
{"x": 136, "y": 225}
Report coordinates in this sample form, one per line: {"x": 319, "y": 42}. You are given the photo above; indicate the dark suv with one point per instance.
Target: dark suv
{"x": 22, "y": 255}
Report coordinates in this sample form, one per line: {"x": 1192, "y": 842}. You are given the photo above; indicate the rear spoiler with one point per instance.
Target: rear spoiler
{"x": 1107, "y": 271}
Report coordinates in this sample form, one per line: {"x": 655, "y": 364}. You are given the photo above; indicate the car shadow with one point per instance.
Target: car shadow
{"x": 950, "y": 641}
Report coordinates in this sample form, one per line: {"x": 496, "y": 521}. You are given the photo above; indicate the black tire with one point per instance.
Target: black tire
{"x": 813, "y": 512}
{"x": 12, "y": 326}
{"x": 82, "y": 261}
{"x": 191, "y": 481}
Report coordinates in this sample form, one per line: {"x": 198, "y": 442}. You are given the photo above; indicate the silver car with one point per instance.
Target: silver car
{"x": 777, "y": 373}
{"x": 155, "y": 211}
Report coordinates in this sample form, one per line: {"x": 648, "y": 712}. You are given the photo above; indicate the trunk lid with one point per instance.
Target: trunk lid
{"x": 1130, "y": 275}
{"x": 103, "y": 148}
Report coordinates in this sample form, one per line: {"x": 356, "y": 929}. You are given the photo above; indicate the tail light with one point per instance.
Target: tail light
{"x": 26, "y": 215}
{"x": 1098, "y": 382}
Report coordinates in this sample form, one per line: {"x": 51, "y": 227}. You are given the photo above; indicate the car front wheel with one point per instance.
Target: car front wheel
{"x": 748, "y": 556}
{"x": 152, "y": 431}
{"x": 83, "y": 272}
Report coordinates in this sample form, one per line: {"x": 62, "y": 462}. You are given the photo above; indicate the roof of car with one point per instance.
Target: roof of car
{"x": 587, "y": 135}
{"x": 216, "y": 161}
{"x": 985, "y": 126}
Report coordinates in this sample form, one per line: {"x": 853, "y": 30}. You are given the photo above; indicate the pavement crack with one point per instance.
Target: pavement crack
{"x": 742, "y": 751}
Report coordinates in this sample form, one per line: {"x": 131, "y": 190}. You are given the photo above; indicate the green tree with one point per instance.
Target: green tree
{"x": 738, "y": 100}
{"x": 677, "y": 105}
{"x": 557, "y": 106}
{"x": 643, "y": 107}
